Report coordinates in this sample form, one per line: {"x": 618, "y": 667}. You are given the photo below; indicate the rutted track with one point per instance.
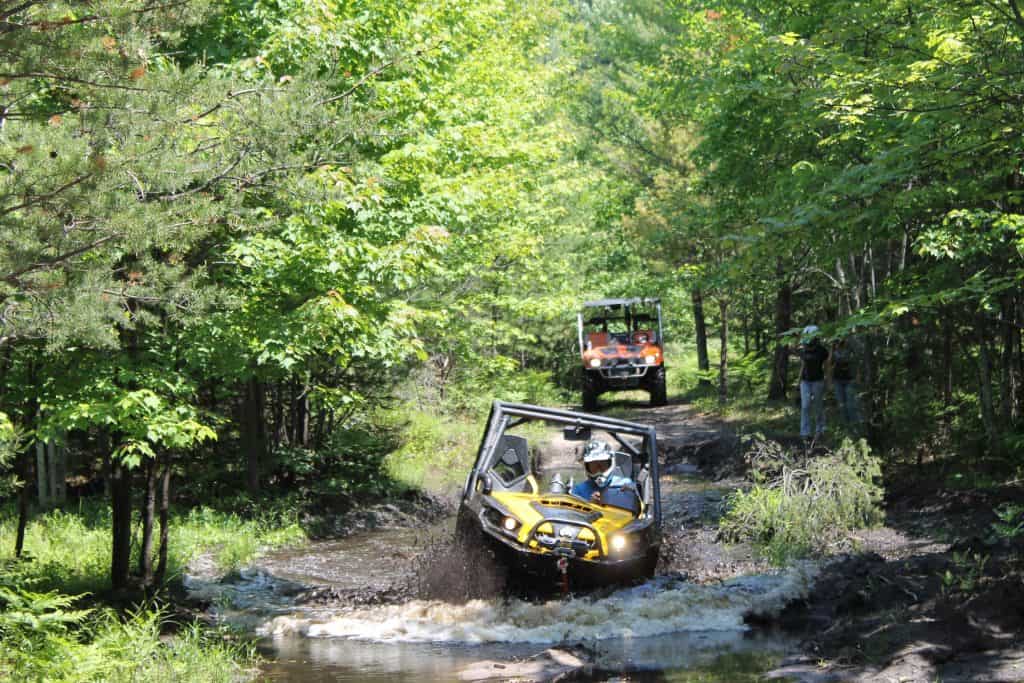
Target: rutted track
{"x": 365, "y": 593}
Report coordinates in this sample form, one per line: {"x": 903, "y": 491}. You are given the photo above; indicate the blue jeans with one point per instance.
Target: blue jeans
{"x": 812, "y": 407}
{"x": 846, "y": 399}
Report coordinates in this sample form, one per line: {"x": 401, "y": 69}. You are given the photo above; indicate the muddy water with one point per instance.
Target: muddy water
{"x": 666, "y": 629}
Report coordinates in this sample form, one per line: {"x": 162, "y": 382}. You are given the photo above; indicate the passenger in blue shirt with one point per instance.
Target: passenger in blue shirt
{"x": 602, "y": 485}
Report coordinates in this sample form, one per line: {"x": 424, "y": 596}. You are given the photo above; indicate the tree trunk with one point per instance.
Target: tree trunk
{"x": 871, "y": 402}
{"x": 121, "y": 527}
{"x": 783, "y": 321}
{"x": 148, "y": 514}
{"x": 1009, "y": 384}
{"x": 24, "y": 496}
{"x": 303, "y": 416}
{"x": 988, "y": 418}
{"x": 165, "y": 491}
{"x": 321, "y": 426}
{"x": 703, "y": 360}
{"x": 280, "y": 427}
{"x": 723, "y": 354}
{"x": 947, "y": 371}
{"x": 746, "y": 333}
{"x": 25, "y": 472}
{"x": 254, "y": 437}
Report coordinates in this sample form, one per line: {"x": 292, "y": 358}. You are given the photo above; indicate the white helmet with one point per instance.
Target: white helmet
{"x": 599, "y": 461}
{"x": 809, "y": 333}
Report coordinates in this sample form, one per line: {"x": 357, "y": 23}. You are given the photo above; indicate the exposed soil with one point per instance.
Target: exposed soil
{"x": 930, "y": 595}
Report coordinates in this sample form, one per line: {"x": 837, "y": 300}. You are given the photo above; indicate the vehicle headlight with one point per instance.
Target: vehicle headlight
{"x": 618, "y": 544}
{"x": 510, "y": 523}
{"x": 595, "y": 362}
{"x": 650, "y": 360}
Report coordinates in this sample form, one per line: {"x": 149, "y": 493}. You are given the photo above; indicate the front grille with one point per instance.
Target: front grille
{"x": 569, "y": 505}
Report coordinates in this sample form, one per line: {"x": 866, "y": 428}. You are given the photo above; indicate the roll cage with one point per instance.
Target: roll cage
{"x": 627, "y": 311}
{"x": 504, "y": 416}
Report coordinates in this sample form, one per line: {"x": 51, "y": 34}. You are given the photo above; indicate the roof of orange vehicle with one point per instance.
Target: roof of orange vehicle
{"x": 620, "y": 302}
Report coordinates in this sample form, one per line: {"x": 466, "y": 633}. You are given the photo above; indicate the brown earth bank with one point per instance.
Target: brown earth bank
{"x": 931, "y": 595}
{"x": 909, "y": 607}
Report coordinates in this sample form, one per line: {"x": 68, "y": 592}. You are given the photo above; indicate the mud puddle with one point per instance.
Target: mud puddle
{"x": 330, "y": 611}
{"x": 713, "y": 656}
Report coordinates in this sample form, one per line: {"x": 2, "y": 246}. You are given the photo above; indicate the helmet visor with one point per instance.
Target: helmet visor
{"x": 598, "y": 466}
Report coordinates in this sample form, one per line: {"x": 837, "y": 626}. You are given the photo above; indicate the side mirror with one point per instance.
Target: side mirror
{"x": 576, "y": 433}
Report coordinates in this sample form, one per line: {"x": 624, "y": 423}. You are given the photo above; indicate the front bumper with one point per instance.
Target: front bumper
{"x": 622, "y": 376}
{"x": 541, "y": 563}
{"x": 542, "y": 568}
{"x": 623, "y": 372}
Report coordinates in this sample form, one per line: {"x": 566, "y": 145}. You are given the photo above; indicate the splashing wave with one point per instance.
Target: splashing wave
{"x": 655, "y": 608}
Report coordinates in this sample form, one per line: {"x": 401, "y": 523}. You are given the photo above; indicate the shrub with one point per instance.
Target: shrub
{"x": 48, "y": 641}
{"x": 800, "y": 506}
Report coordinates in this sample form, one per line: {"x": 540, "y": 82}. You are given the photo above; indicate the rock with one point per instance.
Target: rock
{"x": 554, "y": 664}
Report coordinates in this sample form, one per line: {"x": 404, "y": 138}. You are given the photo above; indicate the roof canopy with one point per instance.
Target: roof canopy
{"x": 636, "y": 301}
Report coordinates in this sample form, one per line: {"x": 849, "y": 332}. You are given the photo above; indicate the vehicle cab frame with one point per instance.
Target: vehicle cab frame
{"x": 621, "y": 345}
{"x": 532, "y": 531}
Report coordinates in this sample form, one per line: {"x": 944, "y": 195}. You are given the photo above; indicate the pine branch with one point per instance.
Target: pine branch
{"x": 57, "y": 260}
{"x": 43, "y": 197}
{"x": 361, "y": 82}
{"x": 6, "y": 14}
{"x": 171, "y": 196}
{"x": 67, "y": 79}
{"x": 230, "y": 96}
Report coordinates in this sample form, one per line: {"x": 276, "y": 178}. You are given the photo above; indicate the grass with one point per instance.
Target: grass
{"x": 800, "y": 506}
{"x": 48, "y": 636}
{"x": 70, "y": 550}
{"x": 438, "y": 449}
{"x": 436, "y": 452}
{"x": 106, "y": 646}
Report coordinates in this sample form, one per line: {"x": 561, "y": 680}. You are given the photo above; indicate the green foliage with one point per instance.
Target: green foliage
{"x": 355, "y": 466}
{"x": 802, "y": 506}
{"x": 64, "y": 645}
{"x": 436, "y": 452}
{"x": 10, "y": 441}
{"x": 48, "y": 635}
{"x": 1010, "y": 522}
{"x": 231, "y": 538}
{"x": 966, "y": 574}
{"x": 503, "y": 378}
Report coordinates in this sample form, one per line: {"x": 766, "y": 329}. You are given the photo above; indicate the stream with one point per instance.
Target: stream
{"x": 667, "y": 629}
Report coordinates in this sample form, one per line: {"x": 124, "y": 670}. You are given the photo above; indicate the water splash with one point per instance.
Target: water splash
{"x": 658, "y": 607}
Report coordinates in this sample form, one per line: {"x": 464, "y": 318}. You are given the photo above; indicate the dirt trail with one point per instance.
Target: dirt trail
{"x": 927, "y": 596}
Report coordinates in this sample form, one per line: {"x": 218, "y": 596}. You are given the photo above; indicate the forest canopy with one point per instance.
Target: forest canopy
{"x": 235, "y": 232}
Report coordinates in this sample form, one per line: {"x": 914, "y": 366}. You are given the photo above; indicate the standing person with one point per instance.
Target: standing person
{"x": 844, "y": 377}
{"x": 813, "y": 355}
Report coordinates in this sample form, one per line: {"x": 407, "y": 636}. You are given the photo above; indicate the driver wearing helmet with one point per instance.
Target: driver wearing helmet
{"x": 602, "y": 483}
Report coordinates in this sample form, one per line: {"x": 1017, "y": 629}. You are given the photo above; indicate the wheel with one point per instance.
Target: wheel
{"x": 590, "y": 392}
{"x": 659, "y": 397}
{"x": 651, "y": 563}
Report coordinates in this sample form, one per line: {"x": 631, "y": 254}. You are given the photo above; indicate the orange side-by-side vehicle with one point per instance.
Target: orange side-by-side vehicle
{"x": 622, "y": 348}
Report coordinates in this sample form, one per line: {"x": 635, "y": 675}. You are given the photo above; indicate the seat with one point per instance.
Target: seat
{"x": 643, "y": 337}
{"x": 628, "y": 499}
{"x": 511, "y": 464}
{"x": 623, "y": 465}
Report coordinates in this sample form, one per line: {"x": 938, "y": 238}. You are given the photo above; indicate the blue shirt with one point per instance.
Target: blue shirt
{"x": 621, "y": 485}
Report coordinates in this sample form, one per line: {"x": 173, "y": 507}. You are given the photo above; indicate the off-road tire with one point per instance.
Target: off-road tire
{"x": 651, "y": 563}
{"x": 590, "y": 393}
{"x": 659, "y": 395}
